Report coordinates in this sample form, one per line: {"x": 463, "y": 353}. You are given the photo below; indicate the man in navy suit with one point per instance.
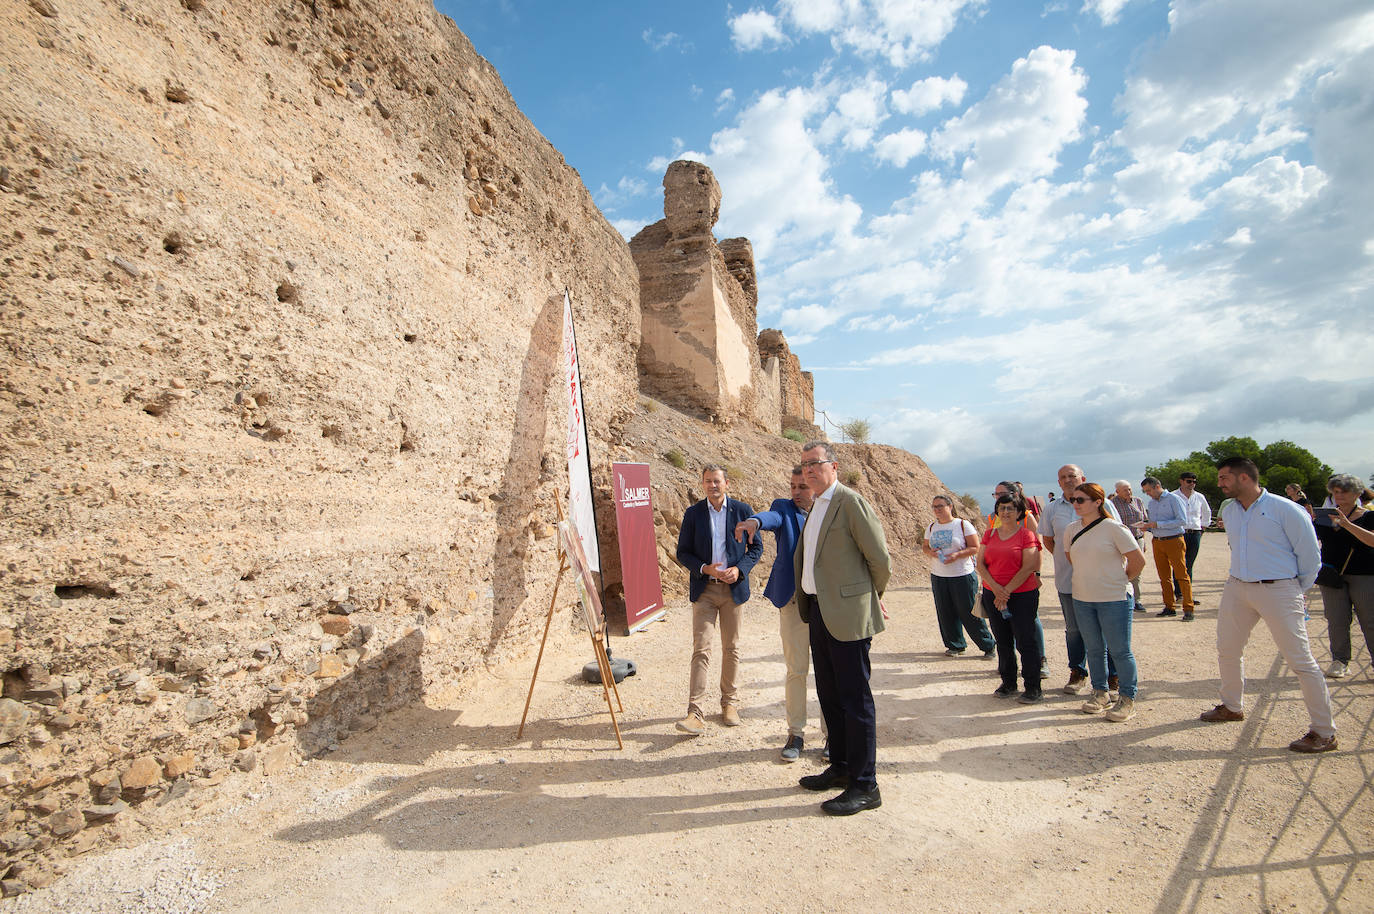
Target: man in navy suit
{"x": 785, "y": 518}
{"x": 719, "y": 569}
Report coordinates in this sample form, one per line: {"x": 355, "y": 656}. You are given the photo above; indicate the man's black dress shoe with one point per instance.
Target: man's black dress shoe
{"x": 853, "y": 800}
{"x": 831, "y": 778}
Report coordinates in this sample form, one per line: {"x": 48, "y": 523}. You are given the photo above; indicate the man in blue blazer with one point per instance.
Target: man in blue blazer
{"x": 719, "y": 568}
{"x": 785, "y": 518}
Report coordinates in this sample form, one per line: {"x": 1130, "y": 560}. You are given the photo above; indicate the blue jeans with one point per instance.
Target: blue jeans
{"x": 1107, "y": 627}
{"x": 954, "y": 599}
{"x": 1073, "y": 638}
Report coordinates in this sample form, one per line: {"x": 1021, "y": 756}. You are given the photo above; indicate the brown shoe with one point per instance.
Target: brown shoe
{"x": 729, "y": 716}
{"x": 692, "y": 724}
{"x": 1313, "y": 743}
{"x": 1077, "y": 684}
{"x": 1221, "y": 713}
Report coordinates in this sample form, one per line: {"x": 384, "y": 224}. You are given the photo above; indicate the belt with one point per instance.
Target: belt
{"x": 1174, "y": 537}
{"x": 1265, "y": 581}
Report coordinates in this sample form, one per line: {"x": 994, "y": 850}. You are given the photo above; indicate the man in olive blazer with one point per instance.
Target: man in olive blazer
{"x": 841, "y": 567}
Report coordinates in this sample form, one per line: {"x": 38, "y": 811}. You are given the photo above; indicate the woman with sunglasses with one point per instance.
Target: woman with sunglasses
{"x": 1105, "y": 556}
{"x": 1008, "y": 559}
{"x": 952, "y": 542}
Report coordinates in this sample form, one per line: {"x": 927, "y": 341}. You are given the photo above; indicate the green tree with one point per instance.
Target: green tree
{"x": 1279, "y": 463}
{"x": 1219, "y": 450}
{"x": 1277, "y": 478}
{"x": 1197, "y": 462}
{"x": 1298, "y": 465}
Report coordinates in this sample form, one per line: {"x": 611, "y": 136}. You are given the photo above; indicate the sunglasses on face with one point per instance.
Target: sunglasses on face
{"x": 1079, "y": 499}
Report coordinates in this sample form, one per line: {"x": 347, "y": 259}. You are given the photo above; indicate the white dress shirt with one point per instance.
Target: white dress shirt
{"x": 811, "y": 534}
{"x": 1197, "y": 511}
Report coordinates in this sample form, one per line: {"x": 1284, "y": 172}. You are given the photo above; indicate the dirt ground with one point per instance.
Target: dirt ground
{"x": 988, "y": 806}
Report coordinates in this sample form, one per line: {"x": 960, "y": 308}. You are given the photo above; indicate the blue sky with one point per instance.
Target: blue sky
{"x": 1009, "y": 234}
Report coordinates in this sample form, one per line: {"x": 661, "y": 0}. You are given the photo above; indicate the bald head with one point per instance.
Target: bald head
{"x": 1070, "y": 478}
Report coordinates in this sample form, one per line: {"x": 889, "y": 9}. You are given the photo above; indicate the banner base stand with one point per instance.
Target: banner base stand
{"x": 620, "y": 668}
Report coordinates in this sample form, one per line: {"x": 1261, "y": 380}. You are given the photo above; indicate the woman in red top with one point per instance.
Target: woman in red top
{"x": 1008, "y": 559}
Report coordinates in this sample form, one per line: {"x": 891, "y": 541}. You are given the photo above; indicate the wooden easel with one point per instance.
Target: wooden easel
{"x": 597, "y": 631}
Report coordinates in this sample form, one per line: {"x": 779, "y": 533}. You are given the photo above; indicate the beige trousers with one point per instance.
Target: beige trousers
{"x": 715, "y": 604}
{"x": 796, "y": 654}
{"x": 1280, "y": 605}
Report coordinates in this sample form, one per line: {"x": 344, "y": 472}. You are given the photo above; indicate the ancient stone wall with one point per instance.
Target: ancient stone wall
{"x": 796, "y": 388}
{"x": 698, "y": 322}
{"x": 281, "y": 424}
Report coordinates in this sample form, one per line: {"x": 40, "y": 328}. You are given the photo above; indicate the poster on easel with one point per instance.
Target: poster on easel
{"x": 571, "y": 544}
{"x": 634, "y": 521}
{"x": 580, "y": 510}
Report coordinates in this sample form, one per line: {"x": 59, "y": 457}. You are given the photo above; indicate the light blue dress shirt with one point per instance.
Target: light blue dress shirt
{"x": 1169, "y": 514}
{"x": 1272, "y": 541}
{"x": 717, "y": 532}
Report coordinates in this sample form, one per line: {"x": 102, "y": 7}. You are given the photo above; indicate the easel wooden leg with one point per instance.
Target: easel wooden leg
{"x": 553, "y": 601}
{"x": 604, "y": 664}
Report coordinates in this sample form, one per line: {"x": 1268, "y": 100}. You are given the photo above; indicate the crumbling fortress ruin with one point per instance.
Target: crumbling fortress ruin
{"x": 700, "y": 349}
{"x": 281, "y": 426}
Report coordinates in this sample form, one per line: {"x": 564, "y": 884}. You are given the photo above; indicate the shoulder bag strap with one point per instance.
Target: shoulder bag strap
{"x": 1080, "y": 533}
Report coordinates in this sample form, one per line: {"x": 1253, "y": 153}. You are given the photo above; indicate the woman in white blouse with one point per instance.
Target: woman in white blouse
{"x": 1105, "y": 557}
{"x": 951, "y": 543}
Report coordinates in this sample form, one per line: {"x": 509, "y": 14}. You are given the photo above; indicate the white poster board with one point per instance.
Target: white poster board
{"x": 579, "y": 459}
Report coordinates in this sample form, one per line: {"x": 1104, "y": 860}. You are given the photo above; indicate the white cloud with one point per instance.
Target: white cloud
{"x": 881, "y": 323}
{"x": 901, "y": 31}
{"x": 659, "y": 41}
{"x": 857, "y": 114}
{"x": 1109, "y": 11}
{"x": 724, "y": 100}
{"x": 1274, "y": 184}
{"x": 627, "y": 228}
{"x": 938, "y": 435}
{"x": 626, "y": 189}
{"x": 754, "y": 29}
{"x": 1017, "y": 131}
{"x": 776, "y": 180}
{"x": 900, "y": 147}
{"x": 1241, "y": 237}
{"x": 929, "y": 94}
{"x": 810, "y": 319}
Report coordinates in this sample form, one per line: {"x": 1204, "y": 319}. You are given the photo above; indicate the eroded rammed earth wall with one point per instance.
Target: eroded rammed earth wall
{"x": 280, "y": 420}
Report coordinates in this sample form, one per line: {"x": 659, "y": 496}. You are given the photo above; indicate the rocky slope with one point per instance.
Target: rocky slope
{"x": 281, "y": 420}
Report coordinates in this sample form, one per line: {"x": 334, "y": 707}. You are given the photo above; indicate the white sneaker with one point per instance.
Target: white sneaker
{"x": 1336, "y": 670}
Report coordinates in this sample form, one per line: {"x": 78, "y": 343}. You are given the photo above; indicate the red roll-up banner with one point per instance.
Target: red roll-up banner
{"x": 634, "y": 519}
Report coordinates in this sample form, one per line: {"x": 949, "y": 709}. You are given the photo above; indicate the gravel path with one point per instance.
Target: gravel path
{"x": 988, "y": 806}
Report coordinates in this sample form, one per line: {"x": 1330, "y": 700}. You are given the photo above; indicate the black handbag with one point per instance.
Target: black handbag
{"x": 1328, "y": 576}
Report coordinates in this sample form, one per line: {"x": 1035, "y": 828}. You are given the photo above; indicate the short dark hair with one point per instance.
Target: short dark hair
{"x": 1242, "y": 465}
{"x": 824, "y": 445}
{"x": 1150, "y": 481}
{"x": 1012, "y": 498}
{"x": 714, "y": 468}
{"x": 1187, "y": 474}
{"x": 797, "y": 470}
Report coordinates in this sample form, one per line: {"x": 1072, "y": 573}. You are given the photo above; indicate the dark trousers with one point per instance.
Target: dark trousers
{"x": 1192, "y": 541}
{"x": 954, "y": 598}
{"x": 842, "y": 672}
{"x": 1016, "y": 634}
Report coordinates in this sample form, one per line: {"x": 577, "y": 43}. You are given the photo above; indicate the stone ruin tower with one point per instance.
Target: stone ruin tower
{"x": 700, "y": 349}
